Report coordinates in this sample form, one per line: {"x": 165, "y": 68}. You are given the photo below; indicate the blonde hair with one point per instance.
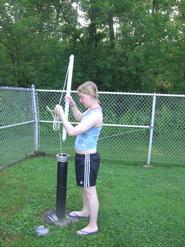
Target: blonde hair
{"x": 89, "y": 88}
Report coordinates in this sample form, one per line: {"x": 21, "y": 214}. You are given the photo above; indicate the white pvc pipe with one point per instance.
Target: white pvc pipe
{"x": 68, "y": 92}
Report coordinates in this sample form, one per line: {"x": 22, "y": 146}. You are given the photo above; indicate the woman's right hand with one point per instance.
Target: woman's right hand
{"x": 59, "y": 110}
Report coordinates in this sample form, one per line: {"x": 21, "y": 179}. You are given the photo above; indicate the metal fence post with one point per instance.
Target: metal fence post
{"x": 151, "y": 131}
{"x": 35, "y": 115}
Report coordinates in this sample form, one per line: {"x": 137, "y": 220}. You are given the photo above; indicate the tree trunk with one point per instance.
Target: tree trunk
{"x": 111, "y": 30}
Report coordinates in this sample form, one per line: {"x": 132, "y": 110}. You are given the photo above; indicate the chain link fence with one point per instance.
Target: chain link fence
{"x": 169, "y": 132}
{"x": 18, "y": 125}
{"x": 138, "y": 128}
{"x": 124, "y": 128}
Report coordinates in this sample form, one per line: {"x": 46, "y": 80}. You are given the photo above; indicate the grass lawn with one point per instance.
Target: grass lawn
{"x": 138, "y": 207}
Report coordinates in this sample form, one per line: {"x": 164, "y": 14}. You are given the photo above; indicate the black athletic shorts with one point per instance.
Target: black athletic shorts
{"x": 86, "y": 167}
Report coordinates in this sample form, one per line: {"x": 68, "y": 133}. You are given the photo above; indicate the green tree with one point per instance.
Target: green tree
{"x": 121, "y": 45}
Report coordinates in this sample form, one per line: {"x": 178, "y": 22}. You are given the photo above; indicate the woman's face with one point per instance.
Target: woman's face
{"x": 85, "y": 99}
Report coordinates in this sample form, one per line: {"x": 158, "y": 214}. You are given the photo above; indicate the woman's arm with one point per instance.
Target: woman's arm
{"x": 76, "y": 112}
{"x": 88, "y": 123}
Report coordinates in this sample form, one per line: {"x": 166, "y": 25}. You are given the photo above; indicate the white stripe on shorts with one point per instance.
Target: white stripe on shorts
{"x": 87, "y": 170}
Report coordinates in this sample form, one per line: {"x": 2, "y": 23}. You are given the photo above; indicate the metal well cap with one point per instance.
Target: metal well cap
{"x": 62, "y": 157}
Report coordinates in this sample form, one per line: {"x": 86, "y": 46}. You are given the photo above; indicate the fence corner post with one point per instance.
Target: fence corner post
{"x": 151, "y": 132}
{"x": 35, "y": 115}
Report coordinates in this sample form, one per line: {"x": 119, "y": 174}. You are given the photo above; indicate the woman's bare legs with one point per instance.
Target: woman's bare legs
{"x": 85, "y": 209}
{"x": 90, "y": 206}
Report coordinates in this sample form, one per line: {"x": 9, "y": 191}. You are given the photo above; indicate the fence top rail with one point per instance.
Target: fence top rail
{"x": 143, "y": 94}
{"x": 116, "y": 93}
{"x": 100, "y": 92}
{"x": 15, "y": 88}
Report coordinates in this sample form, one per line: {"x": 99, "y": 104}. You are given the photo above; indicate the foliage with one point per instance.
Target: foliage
{"x": 121, "y": 45}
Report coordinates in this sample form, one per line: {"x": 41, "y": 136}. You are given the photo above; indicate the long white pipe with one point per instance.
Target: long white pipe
{"x": 68, "y": 92}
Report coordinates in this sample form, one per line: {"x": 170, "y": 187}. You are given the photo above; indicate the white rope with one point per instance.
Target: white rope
{"x": 68, "y": 92}
{"x": 56, "y": 121}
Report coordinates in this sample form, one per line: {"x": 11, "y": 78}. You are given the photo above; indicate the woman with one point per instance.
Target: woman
{"x": 87, "y": 159}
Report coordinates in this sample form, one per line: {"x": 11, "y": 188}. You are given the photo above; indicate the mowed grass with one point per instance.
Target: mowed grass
{"x": 138, "y": 206}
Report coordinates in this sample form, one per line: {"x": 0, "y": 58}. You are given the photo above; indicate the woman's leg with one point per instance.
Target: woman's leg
{"x": 91, "y": 198}
{"x": 84, "y": 212}
{"x": 85, "y": 208}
